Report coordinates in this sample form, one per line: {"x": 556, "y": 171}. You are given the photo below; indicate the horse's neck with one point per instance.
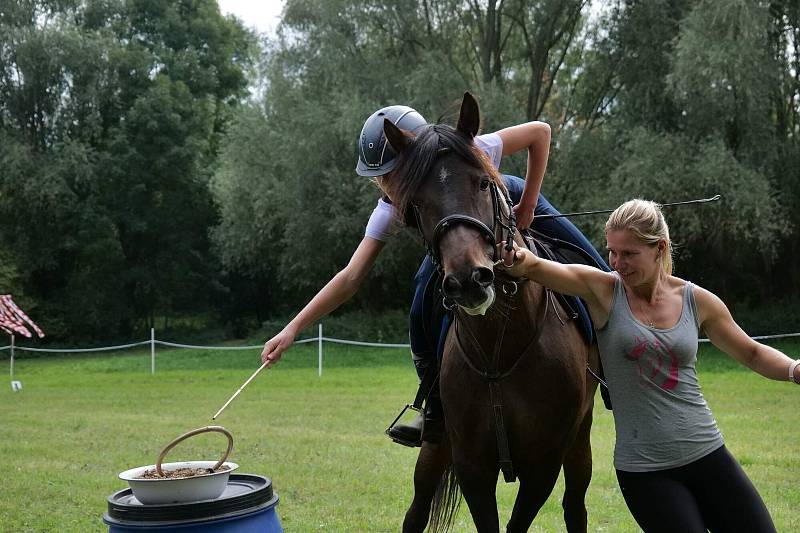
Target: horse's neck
{"x": 513, "y": 321}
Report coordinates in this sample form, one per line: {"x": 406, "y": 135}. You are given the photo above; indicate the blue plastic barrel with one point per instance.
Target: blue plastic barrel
{"x": 246, "y": 506}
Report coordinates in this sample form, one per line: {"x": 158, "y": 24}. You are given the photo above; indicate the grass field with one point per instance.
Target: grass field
{"x": 80, "y": 420}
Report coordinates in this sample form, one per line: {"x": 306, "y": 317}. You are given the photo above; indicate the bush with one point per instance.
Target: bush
{"x": 771, "y": 319}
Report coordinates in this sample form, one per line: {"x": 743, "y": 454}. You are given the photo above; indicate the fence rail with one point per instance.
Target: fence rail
{"x": 319, "y": 339}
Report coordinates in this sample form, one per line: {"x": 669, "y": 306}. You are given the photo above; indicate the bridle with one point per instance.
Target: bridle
{"x": 506, "y": 226}
{"x": 503, "y": 228}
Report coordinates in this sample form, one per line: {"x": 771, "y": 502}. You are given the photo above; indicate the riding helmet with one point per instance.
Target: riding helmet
{"x": 375, "y": 155}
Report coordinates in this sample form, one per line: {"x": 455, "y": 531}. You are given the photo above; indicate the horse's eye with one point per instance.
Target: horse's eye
{"x": 484, "y": 185}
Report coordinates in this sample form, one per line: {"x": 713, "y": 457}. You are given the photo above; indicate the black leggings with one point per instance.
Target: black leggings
{"x": 712, "y": 493}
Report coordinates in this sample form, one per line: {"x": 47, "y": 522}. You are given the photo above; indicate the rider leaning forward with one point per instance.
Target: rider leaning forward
{"x": 376, "y": 160}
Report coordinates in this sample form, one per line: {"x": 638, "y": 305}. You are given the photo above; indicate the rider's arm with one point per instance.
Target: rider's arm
{"x": 535, "y": 138}
{"x": 595, "y": 286}
{"x": 724, "y": 333}
{"x": 337, "y": 291}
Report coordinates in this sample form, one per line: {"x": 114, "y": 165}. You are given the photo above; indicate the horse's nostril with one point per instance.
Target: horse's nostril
{"x": 483, "y": 276}
{"x": 451, "y": 286}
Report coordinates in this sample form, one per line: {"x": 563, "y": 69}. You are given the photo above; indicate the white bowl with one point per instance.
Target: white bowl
{"x": 180, "y": 490}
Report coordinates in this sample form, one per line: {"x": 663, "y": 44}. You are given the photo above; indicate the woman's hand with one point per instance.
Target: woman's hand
{"x": 516, "y": 262}
{"x": 274, "y": 348}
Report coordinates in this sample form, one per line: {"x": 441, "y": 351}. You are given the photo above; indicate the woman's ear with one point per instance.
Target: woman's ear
{"x": 662, "y": 249}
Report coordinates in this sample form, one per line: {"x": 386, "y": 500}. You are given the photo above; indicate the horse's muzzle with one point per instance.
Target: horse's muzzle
{"x": 470, "y": 288}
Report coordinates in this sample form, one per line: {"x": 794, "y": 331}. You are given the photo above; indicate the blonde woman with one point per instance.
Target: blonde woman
{"x": 672, "y": 464}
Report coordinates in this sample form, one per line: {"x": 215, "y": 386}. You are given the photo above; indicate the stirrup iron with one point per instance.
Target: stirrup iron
{"x": 406, "y": 442}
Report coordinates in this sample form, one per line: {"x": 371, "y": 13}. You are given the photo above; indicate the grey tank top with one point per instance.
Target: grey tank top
{"x": 661, "y": 418}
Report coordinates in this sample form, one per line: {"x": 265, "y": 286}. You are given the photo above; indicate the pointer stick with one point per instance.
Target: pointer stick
{"x": 235, "y": 394}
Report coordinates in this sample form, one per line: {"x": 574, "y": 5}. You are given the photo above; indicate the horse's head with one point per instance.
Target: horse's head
{"x": 445, "y": 185}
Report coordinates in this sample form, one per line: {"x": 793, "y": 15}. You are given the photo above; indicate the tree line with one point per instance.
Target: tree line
{"x": 157, "y": 159}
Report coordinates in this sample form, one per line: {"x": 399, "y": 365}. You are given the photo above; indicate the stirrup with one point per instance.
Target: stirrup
{"x": 407, "y": 442}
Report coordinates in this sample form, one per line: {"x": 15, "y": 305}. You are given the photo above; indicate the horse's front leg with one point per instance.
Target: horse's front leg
{"x": 536, "y": 481}
{"x": 432, "y": 463}
{"x": 477, "y": 478}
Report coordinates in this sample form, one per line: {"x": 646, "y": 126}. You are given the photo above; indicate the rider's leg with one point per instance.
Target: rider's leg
{"x": 424, "y": 335}
{"x": 560, "y": 228}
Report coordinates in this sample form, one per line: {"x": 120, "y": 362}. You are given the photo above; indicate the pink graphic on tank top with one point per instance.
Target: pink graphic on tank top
{"x": 650, "y": 357}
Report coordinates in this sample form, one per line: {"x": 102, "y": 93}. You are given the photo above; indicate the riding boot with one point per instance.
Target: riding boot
{"x": 412, "y": 434}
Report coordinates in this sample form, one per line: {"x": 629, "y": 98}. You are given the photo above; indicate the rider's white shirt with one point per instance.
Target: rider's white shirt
{"x": 385, "y": 219}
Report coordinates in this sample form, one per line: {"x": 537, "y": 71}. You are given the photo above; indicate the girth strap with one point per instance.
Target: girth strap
{"x": 504, "y": 454}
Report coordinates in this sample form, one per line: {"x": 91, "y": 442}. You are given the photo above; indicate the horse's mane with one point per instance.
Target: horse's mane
{"x": 416, "y": 162}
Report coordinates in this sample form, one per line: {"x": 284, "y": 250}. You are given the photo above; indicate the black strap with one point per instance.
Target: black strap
{"x": 504, "y": 454}
{"x": 429, "y": 378}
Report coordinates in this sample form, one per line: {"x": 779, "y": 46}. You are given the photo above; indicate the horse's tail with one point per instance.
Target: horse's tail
{"x": 446, "y": 502}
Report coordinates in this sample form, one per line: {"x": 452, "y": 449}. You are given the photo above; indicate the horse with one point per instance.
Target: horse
{"x": 513, "y": 376}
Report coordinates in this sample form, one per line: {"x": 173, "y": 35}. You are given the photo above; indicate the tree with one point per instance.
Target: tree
{"x": 110, "y": 115}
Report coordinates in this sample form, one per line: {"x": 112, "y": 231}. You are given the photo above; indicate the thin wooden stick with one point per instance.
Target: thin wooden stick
{"x": 235, "y": 394}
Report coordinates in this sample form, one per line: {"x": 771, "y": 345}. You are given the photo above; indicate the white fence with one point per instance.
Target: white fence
{"x": 319, "y": 339}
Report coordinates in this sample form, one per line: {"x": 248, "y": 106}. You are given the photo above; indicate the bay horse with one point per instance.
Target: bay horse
{"x": 513, "y": 376}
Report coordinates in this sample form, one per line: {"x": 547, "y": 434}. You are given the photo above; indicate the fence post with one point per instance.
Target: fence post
{"x": 319, "y": 349}
{"x": 152, "y": 351}
{"x": 12, "y": 356}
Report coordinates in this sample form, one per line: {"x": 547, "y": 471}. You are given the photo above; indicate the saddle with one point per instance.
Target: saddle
{"x": 564, "y": 252}
{"x": 567, "y": 253}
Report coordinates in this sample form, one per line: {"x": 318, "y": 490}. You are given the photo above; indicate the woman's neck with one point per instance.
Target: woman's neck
{"x": 650, "y": 290}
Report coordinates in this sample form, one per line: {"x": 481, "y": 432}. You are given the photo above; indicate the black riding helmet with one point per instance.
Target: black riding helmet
{"x": 375, "y": 155}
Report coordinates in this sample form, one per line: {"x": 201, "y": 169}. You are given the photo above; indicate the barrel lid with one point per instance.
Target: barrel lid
{"x": 244, "y": 494}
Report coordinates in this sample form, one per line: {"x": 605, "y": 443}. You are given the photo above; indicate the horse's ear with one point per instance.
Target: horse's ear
{"x": 397, "y": 138}
{"x": 469, "y": 119}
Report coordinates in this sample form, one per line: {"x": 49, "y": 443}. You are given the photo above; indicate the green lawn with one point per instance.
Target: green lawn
{"x": 81, "y": 419}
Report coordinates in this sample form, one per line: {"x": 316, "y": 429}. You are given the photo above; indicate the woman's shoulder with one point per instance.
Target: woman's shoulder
{"x": 706, "y": 302}
{"x": 679, "y": 285}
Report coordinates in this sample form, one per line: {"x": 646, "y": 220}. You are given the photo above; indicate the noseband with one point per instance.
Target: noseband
{"x": 507, "y": 228}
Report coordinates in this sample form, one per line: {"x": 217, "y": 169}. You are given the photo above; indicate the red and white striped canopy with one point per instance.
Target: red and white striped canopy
{"x": 13, "y": 319}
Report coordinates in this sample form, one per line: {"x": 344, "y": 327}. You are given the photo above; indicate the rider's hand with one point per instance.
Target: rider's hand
{"x": 524, "y": 215}
{"x": 274, "y": 348}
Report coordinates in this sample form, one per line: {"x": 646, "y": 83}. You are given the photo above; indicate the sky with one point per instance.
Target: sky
{"x": 263, "y": 15}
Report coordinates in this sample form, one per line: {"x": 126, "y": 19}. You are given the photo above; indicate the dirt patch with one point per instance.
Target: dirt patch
{"x": 181, "y": 473}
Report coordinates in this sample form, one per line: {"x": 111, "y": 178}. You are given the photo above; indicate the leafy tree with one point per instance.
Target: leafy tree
{"x": 110, "y": 116}
{"x": 286, "y": 180}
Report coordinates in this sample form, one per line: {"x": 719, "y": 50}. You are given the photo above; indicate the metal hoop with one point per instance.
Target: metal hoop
{"x": 501, "y": 261}
{"x": 218, "y": 429}
{"x": 513, "y": 290}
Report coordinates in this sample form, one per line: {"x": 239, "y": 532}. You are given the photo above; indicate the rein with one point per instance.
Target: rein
{"x": 492, "y": 363}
